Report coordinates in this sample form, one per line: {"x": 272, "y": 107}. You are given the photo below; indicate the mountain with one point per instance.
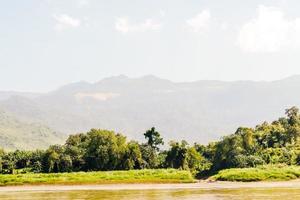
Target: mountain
{"x": 199, "y": 111}
{"x": 15, "y": 134}
{"x": 6, "y": 94}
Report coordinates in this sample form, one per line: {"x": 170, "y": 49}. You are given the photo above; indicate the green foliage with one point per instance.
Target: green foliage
{"x": 273, "y": 143}
{"x": 108, "y": 177}
{"x": 263, "y": 173}
{"x": 149, "y": 156}
{"x": 132, "y": 158}
{"x": 182, "y": 156}
{"x": 75, "y": 147}
{"x": 153, "y": 138}
{"x": 104, "y": 150}
{"x": 177, "y": 155}
{"x": 37, "y": 167}
{"x": 243, "y": 161}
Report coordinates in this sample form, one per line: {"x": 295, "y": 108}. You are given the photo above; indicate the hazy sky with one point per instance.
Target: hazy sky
{"x": 48, "y": 43}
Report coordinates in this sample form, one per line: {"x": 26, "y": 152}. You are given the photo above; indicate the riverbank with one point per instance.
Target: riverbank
{"x": 261, "y": 173}
{"x": 162, "y": 177}
{"x": 204, "y": 185}
{"x": 101, "y": 177}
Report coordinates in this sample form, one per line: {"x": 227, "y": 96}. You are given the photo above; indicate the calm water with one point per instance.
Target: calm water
{"x": 186, "y": 194}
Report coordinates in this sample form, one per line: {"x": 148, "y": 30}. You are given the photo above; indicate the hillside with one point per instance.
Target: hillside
{"x": 199, "y": 111}
{"x": 15, "y": 134}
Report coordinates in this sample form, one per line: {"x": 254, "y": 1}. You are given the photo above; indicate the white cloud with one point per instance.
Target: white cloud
{"x": 123, "y": 25}
{"x": 64, "y": 22}
{"x": 200, "y": 22}
{"x": 269, "y": 31}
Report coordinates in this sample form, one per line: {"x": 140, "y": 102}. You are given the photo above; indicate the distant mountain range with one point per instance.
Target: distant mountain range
{"x": 15, "y": 134}
{"x": 199, "y": 111}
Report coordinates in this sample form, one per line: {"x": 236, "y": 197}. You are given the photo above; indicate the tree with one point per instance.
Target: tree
{"x": 51, "y": 160}
{"x": 181, "y": 156}
{"x": 104, "y": 150}
{"x": 75, "y": 147}
{"x": 177, "y": 155}
{"x": 247, "y": 137}
{"x": 226, "y": 150}
{"x": 293, "y": 115}
{"x": 133, "y": 157}
{"x": 65, "y": 163}
{"x": 153, "y": 138}
{"x": 37, "y": 156}
{"x": 9, "y": 163}
{"x": 149, "y": 156}
{"x": 37, "y": 167}
{"x": 2, "y": 153}
{"x": 22, "y": 158}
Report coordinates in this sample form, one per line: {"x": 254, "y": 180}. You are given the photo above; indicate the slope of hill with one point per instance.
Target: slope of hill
{"x": 196, "y": 111}
{"x": 15, "y": 134}
{"x": 6, "y": 94}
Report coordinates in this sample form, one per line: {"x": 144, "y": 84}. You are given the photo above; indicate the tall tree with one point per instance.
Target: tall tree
{"x": 153, "y": 138}
{"x": 293, "y": 115}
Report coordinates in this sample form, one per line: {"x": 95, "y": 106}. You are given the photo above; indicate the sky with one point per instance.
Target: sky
{"x": 45, "y": 44}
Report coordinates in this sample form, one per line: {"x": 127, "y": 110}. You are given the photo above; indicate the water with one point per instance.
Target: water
{"x": 182, "y": 194}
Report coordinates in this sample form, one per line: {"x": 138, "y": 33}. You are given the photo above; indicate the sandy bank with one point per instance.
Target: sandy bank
{"x": 205, "y": 185}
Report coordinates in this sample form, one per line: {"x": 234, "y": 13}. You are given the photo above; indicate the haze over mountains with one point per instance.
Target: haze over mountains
{"x": 199, "y": 111}
{"x": 15, "y": 134}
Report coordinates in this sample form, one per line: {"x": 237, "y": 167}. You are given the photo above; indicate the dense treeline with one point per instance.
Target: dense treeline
{"x": 274, "y": 143}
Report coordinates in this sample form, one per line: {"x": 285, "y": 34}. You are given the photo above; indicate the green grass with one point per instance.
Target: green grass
{"x": 132, "y": 176}
{"x": 262, "y": 173}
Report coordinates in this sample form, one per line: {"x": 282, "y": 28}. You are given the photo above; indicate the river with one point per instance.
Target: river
{"x": 165, "y": 194}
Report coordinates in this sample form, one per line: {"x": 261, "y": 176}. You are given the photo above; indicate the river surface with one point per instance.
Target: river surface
{"x": 168, "y": 194}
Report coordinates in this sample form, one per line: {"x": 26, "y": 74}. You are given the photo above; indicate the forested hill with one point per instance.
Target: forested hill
{"x": 199, "y": 111}
{"x": 15, "y": 134}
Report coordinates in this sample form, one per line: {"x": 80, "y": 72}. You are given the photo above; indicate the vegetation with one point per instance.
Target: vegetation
{"x": 262, "y": 173}
{"x": 254, "y": 151}
{"x": 273, "y": 143}
{"x": 131, "y": 176}
{"x": 101, "y": 150}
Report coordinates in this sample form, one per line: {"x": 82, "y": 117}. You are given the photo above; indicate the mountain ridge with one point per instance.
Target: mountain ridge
{"x": 8, "y": 93}
{"x": 202, "y": 111}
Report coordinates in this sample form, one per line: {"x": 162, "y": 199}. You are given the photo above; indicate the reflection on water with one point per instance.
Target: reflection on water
{"x": 186, "y": 194}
